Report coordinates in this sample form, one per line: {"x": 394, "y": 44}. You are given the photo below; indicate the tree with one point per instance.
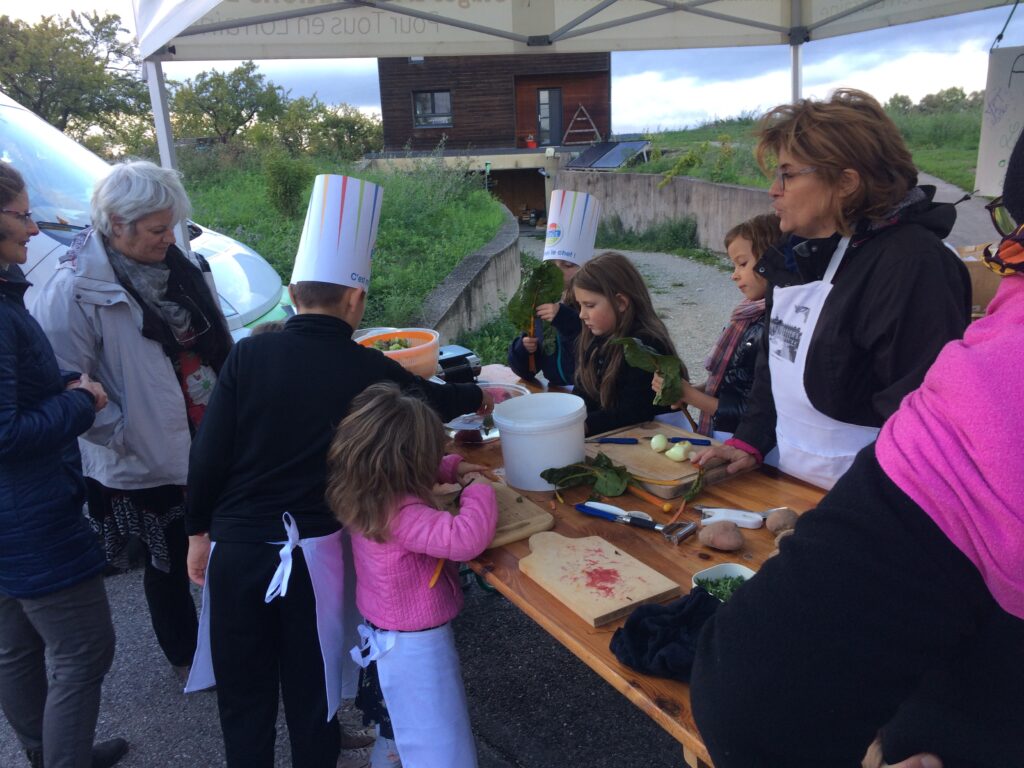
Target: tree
{"x": 899, "y": 104}
{"x": 76, "y": 73}
{"x": 221, "y": 105}
{"x": 947, "y": 100}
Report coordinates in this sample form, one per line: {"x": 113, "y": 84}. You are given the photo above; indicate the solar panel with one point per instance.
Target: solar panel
{"x": 608, "y": 155}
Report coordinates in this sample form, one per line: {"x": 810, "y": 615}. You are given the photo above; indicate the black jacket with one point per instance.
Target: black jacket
{"x": 898, "y": 297}
{"x": 634, "y": 396}
{"x": 738, "y": 379}
{"x": 559, "y": 368}
{"x": 46, "y": 544}
{"x": 261, "y": 449}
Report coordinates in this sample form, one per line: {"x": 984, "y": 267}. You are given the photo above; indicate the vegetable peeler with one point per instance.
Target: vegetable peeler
{"x": 635, "y": 440}
{"x": 742, "y": 517}
{"x": 673, "y": 532}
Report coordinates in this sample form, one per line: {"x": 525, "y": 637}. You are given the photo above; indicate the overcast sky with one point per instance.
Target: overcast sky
{"x": 654, "y": 90}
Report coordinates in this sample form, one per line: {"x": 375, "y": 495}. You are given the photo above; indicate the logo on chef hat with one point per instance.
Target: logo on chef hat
{"x": 340, "y": 232}
{"x": 572, "y": 226}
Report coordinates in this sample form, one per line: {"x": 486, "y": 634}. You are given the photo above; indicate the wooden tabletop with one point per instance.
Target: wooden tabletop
{"x": 666, "y": 701}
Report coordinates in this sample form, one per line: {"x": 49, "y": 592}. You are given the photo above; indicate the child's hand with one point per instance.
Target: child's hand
{"x": 467, "y": 472}
{"x": 547, "y": 311}
{"x": 658, "y": 382}
{"x": 530, "y": 344}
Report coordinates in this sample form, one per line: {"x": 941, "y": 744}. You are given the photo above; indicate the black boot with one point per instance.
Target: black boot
{"x": 108, "y": 753}
{"x": 35, "y": 757}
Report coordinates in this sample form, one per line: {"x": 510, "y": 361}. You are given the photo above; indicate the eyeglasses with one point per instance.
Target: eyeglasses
{"x": 783, "y": 176}
{"x": 1002, "y": 219}
{"x": 25, "y": 217}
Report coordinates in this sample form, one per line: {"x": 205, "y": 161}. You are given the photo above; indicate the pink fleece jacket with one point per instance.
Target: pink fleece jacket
{"x": 393, "y": 577}
{"x": 956, "y": 445}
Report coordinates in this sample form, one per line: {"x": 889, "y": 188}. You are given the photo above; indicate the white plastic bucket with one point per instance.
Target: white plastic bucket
{"x": 539, "y": 432}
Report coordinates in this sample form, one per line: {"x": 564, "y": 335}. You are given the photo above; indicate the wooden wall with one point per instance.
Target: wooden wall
{"x": 593, "y": 91}
{"x": 483, "y": 90}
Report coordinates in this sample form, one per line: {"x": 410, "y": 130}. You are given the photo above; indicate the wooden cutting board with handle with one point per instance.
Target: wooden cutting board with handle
{"x": 640, "y": 460}
{"x": 594, "y": 579}
{"x": 518, "y": 517}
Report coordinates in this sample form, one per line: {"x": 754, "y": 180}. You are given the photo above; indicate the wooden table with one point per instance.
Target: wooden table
{"x": 666, "y": 701}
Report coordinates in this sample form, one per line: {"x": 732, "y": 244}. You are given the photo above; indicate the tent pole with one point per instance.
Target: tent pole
{"x": 164, "y": 138}
{"x": 797, "y": 37}
{"x": 797, "y": 74}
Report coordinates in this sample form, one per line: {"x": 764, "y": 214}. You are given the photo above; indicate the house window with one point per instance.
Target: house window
{"x": 432, "y": 109}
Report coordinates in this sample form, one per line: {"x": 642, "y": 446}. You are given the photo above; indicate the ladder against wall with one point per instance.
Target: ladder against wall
{"x": 581, "y": 129}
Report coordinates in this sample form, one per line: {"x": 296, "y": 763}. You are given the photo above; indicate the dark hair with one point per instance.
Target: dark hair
{"x": 849, "y": 130}
{"x": 1013, "y": 184}
{"x": 270, "y": 326}
{"x": 610, "y": 274}
{"x": 762, "y": 231}
{"x": 388, "y": 447}
{"x": 312, "y": 293}
{"x": 11, "y": 183}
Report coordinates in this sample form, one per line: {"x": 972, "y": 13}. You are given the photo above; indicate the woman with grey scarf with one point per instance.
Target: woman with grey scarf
{"x": 133, "y": 311}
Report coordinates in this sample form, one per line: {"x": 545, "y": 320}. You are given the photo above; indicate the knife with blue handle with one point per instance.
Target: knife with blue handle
{"x": 635, "y": 440}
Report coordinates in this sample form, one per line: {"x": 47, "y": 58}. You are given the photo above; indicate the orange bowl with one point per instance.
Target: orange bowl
{"x": 420, "y": 357}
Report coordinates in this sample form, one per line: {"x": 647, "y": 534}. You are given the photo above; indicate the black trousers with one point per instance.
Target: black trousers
{"x": 169, "y": 597}
{"x": 258, "y": 647}
{"x": 868, "y": 620}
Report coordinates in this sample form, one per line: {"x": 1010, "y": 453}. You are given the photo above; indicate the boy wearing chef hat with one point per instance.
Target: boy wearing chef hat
{"x": 569, "y": 243}
{"x": 278, "y": 594}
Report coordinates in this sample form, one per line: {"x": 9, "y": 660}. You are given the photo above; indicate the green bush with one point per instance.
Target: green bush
{"x": 678, "y": 236}
{"x": 288, "y": 180}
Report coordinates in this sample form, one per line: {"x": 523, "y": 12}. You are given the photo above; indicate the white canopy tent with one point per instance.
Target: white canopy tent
{"x": 209, "y": 30}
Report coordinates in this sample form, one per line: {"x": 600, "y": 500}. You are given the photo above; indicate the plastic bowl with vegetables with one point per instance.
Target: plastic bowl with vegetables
{"x": 415, "y": 349}
{"x": 723, "y": 579}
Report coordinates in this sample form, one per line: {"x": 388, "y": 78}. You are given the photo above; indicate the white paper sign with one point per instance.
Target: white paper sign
{"x": 1002, "y": 120}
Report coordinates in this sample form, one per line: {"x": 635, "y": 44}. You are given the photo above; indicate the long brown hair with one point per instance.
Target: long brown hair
{"x": 849, "y": 130}
{"x": 388, "y": 447}
{"x": 611, "y": 274}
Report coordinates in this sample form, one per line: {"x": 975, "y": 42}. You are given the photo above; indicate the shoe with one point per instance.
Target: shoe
{"x": 35, "y": 757}
{"x": 108, "y": 753}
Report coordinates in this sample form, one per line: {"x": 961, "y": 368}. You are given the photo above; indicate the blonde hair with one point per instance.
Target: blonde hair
{"x": 762, "y": 231}
{"x": 848, "y": 131}
{"x": 388, "y": 446}
{"x": 611, "y": 274}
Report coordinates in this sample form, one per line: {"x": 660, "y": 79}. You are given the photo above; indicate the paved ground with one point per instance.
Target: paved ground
{"x": 533, "y": 704}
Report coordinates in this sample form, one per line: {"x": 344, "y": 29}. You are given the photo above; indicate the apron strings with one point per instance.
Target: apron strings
{"x": 279, "y": 582}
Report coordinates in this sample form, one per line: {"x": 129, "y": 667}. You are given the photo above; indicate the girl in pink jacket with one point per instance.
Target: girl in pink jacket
{"x": 383, "y": 463}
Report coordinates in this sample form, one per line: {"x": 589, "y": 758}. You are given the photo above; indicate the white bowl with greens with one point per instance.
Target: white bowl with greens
{"x": 722, "y": 580}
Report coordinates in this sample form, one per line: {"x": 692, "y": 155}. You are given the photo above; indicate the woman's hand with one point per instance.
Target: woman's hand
{"x": 94, "y": 388}
{"x": 737, "y": 458}
{"x": 198, "y": 558}
{"x": 486, "y": 403}
{"x": 547, "y": 311}
{"x": 658, "y": 382}
{"x": 530, "y": 344}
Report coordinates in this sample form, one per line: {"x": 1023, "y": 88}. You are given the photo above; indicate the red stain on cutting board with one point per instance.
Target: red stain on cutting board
{"x": 603, "y": 580}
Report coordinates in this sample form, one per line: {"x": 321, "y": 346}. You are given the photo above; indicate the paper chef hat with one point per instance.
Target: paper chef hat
{"x": 339, "y": 233}
{"x": 572, "y": 226}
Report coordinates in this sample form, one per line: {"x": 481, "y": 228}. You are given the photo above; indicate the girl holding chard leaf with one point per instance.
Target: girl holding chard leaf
{"x": 722, "y": 399}
{"x": 569, "y": 244}
{"x": 615, "y": 304}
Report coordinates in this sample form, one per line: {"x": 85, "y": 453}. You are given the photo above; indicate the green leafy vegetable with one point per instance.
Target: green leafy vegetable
{"x": 543, "y": 284}
{"x": 669, "y": 367}
{"x": 695, "y": 487}
{"x": 606, "y": 477}
{"x": 722, "y": 588}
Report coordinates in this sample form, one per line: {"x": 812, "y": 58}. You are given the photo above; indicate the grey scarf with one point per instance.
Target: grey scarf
{"x": 150, "y": 282}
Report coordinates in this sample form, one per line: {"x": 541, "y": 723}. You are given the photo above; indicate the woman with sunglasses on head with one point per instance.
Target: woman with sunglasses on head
{"x": 129, "y": 308}
{"x": 896, "y": 607}
{"x": 875, "y": 296}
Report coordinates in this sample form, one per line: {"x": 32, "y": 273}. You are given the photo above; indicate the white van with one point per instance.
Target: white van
{"x": 60, "y": 174}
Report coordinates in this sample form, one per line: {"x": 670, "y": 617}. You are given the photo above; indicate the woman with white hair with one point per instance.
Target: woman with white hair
{"x": 129, "y": 308}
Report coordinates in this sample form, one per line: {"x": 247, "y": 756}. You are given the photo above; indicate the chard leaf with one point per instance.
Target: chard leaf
{"x": 606, "y": 477}
{"x": 669, "y": 367}
{"x": 541, "y": 285}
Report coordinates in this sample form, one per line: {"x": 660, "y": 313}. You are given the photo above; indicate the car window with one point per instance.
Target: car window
{"x": 59, "y": 172}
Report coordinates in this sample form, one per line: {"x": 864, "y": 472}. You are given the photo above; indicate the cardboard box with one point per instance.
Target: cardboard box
{"x": 984, "y": 282}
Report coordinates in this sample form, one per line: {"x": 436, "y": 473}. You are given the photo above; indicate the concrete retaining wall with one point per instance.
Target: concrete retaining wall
{"x": 638, "y": 202}
{"x": 478, "y": 288}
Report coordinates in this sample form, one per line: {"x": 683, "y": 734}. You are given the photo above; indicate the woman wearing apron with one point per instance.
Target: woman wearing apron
{"x": 875, "y": 297}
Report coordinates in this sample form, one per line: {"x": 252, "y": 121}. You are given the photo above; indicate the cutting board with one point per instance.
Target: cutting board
{"x": 594, "y": 579}
{"x": 518, "y": 517}
{"x": 640, "y": 460}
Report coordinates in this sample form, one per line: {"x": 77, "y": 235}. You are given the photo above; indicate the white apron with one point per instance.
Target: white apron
{"x": 329, "y": 561}
{"x": 812, "y": 446}
{"x": 422, "y": 687}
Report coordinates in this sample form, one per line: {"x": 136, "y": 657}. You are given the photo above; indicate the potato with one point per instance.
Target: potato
{"x": 724, "y": 535}
{"x": 781, "y": 520}
{"x": 659, "y": 443}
